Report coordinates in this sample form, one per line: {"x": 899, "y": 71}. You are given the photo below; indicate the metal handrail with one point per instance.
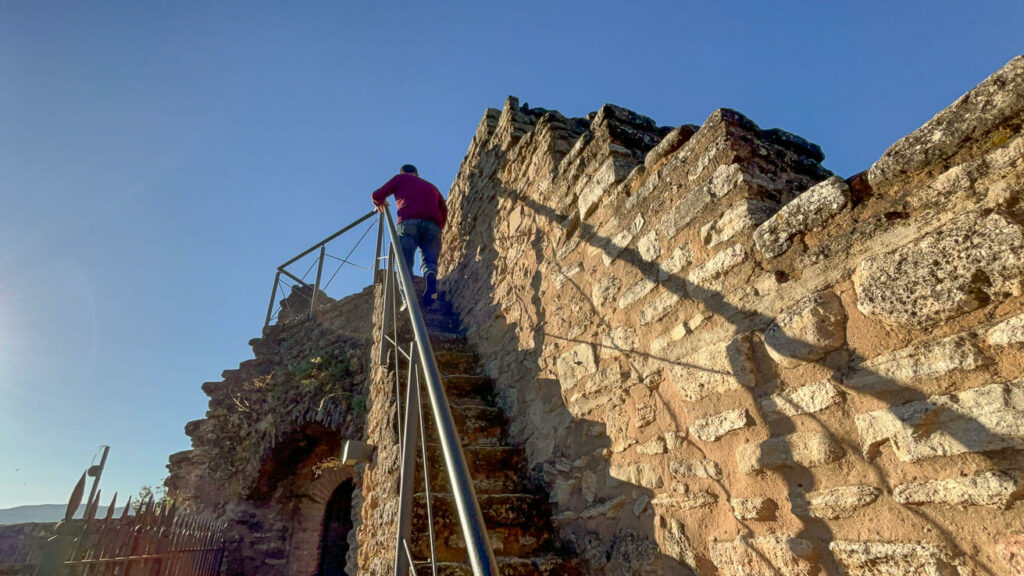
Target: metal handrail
{"x": 398, "y": 284}
{"x": 322, "y": 246}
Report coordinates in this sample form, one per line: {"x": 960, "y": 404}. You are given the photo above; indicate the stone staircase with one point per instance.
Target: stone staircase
{"x": 517, "y": 516}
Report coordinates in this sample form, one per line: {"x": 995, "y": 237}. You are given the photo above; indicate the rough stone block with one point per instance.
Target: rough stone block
{"x": 672, "y": 141}
{"x": 575, "y": 364}
{"x": 993, "y": 489}
{"x": 619, "y": 242}
{"x": 746, "y": 214}
{"x": 804, "y": 400}
{"x": 706, "y": 275}
{"x": 648, "y": 246}
{"x": 998, "y": 99}
{"x": 680, "y": 258}
{"x": 677, "y": 546}
{"x": 688, "y": 468}
{"x": 1010, "y": 550}
{"x": 652, "y": 447}
{"x": 605, "y": 290}
{"x": 660, "y": 306}
{"x": 759, "y": 508}
{"x": 930, "y": 359}
{"x": 563, "y": 275}
{"x": 801, "y": 449}
{"x": 1006, "y": 333}
{"x": 714, "y": 427}
{"x": 891, "y": 559}
{"x": 809, "y": 211}
{"x": 645, "y": 475}
{"x": 981, "y": 419}
{"x": 766, "y": 556}
{"x": 810, "y": 329}
{"x": 619, "y": 340}
{"x": 684, "y": 499}
{"x": 715, "y": 369}
{"x": 841, "y": 502}
{"x": 968, "y": 263}
{"x": 636, "y": 292}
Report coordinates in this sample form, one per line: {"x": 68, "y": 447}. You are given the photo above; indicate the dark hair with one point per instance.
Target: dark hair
{"x": 409, "y": 169}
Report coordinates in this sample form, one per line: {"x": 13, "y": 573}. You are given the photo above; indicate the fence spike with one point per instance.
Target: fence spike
{"x": 110, "y": 509}
{"x": 76, "y": 499}
{"x": 127, "y": 508}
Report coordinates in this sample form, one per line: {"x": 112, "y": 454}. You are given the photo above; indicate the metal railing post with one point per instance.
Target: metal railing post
{"x": 316, "y": 287}
{"x": 380, "y": 243}
{"x": 478, "y": 546}
{"x": 388, "y": 295}
{"x": 410, "y": 431}
{"x": 273, "y": 295}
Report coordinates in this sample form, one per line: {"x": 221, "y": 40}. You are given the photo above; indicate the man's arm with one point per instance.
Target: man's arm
{"x": 380, "y": 195}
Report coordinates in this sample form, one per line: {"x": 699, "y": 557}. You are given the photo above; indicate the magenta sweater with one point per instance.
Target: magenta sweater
{"x": 416, "y": 199}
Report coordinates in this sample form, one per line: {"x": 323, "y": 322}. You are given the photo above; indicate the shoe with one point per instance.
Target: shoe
{"x": 428, "y": 294}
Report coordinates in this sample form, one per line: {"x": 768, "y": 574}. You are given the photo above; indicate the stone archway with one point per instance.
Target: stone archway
{"x": 334, "y": 540}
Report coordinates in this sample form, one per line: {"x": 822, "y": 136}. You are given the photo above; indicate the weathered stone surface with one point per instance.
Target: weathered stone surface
{"x": 619, "y": 242}
{"x": 653, "y": 446}
{"x": 648, "y": 246}
{"x": 715, "y": 369}
{"x": 661, "y": 305}
{"x": 687, "y": 468}
{"x": 812, "y": 328}
{"x": 968, "y": 263}
{"x": 800, "y": 449}
{"x": 1010, "y": 550}
{"x": 975, "y": 114}
{"x": 605, "y": 290}
{"x": 891, "y": 559}
{"x": 765, "y": 556}
{"x": 645, "y": 475}
{"x": 930, "y": 359}
{"x": 993, "y": 489}
{"x": 706, "y": 275}
{"x": 759, "y": 508}
{"x": 746, "y": 214}
{"x": 675, "y": 440}
{"x": 981, "y": 419}
{"x": 673, "y": 141}
{"x": 636, "y": 292}
{"x": 677, "y": 545}
{"x": 621, "y": 339}
{"x": 714, "y": 427}
{"x": 841, "y": 502}
{"x": 1007, "y": 333}
{"x": 563, "y": 275}
{"x": 680, "y": 258}
{"x": 804, "y": 400}
{"x": 682, "y": 498}
{"x": 809, "y": 211}
{"x": 575, "y": 364}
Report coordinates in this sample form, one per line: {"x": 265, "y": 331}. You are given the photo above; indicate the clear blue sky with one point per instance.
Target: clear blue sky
{"x": 159, "y": 160}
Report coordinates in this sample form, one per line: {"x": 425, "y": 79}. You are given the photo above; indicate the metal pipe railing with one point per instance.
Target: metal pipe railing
{"x": 481, "y": 556}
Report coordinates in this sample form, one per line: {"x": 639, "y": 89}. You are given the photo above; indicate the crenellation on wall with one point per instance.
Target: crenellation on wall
{"x": 847, "y": 349}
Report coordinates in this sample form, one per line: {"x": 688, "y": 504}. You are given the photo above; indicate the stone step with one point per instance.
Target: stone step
{"x": 476, "y": 425}
{"x": 548, "y": 565}
{"x": 448, "y": 342}
{"x": 494, "y": 469}
{"x": 466, "y": 385}
{"x": 499, "y": 510}
{"x": 450, "y": 546}
{"x": 456, "y": 362}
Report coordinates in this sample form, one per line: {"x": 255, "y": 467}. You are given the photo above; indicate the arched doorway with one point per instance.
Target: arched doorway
{"x": 337, "y": 525}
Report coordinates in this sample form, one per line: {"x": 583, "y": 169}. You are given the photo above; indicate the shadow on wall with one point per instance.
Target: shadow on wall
{"x": 638, "y": 540}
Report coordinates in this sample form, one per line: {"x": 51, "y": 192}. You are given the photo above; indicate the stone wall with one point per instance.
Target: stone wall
{"x": 723, "y": 359}
{"x": 265, "y": 460}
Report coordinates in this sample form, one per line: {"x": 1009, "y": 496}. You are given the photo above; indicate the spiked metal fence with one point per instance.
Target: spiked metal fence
{"x": 157, "y": 540}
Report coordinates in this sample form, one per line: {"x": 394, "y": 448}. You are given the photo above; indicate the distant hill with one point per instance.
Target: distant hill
{"x": 45, "y": 513}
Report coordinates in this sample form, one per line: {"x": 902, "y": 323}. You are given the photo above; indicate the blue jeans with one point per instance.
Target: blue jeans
{"x": 426, "y": 236}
